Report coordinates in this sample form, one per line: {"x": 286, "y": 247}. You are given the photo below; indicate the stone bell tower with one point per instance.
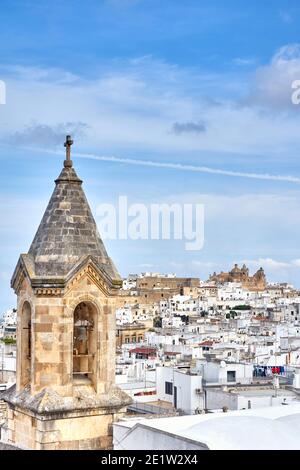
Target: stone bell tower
{"x": 65, "y": 395}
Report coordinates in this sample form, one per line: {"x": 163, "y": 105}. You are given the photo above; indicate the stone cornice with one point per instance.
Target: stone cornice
{"x": 57, "y": 286}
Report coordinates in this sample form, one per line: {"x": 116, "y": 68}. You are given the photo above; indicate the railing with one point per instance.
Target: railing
{"x": 244, "y": 381}
{"x": 146, "y": 408}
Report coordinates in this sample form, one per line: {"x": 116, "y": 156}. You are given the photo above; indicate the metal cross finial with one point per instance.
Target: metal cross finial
{"x": 67, "y": 144}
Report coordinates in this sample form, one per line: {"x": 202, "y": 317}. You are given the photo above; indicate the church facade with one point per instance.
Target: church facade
{"x": 65, "y": 395}
{"x": 257, "y": 282}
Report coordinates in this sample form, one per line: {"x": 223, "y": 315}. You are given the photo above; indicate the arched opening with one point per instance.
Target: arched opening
{"x": 26, "y": 342}
{"x": 85, "y": 343}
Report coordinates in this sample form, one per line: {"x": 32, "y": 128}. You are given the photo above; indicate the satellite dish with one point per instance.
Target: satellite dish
{"x": 223, "y": 364}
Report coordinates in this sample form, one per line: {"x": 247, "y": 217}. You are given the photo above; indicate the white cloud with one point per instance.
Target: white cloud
{"x": 46, "y": 136}
{"x": 277, "y": 270}
{"x": 133, "y": 105}
{"x": 34, "y": 74}
{"x": 244, "y": 61}
{"x": 272, "y": 86}
{"x": 268, "y": 263}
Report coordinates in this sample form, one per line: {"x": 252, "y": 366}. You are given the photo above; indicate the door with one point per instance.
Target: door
{"x": 175, "y": 397}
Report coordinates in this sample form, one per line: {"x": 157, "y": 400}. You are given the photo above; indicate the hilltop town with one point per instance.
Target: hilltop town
{"x": 186, "y": 346}
{"x": 93, "y": 361}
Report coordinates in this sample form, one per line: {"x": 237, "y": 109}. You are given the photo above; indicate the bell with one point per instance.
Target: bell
{"x": 82, "y": 336}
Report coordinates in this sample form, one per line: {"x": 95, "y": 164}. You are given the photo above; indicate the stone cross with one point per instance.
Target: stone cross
{"x": 67, "y": 144}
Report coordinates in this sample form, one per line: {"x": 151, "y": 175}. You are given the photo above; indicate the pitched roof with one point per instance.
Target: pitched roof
{"x": 143, "y": 350}
{"x": 68, "y": 232}
{"x": 206, "y": 343}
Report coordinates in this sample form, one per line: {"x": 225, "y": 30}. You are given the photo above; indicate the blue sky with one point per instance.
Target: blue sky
{"x": 199, "y": 83}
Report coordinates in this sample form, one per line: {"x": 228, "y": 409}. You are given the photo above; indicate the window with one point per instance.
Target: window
{"x": 26, "y": 333}
{"x": 85, "y": 343}
{"x": 168, "y": 388}
{"x": 231, "y": 376}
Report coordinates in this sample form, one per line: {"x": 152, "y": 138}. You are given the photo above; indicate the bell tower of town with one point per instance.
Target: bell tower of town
{"x": 65, "y": 395}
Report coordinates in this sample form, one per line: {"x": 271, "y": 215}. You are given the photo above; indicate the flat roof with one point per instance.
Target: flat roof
{"x": 135, "y": 385}
{"x": 266, "y": 393}
{"x": 262, "y": 428}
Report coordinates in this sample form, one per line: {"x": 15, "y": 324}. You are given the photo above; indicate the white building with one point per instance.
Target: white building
{"x": 223, "y": 373}
{"x": 130, "y": 282}
{"x": 247, "y": 398}
{"x": 155, "y": 339}
{"x": 181, "y": 389}
{"x": 234, "y": 291}
{"x": 124, "y": 315}
{"x": 8, "y": 326}
{"x": 272, "y": 428}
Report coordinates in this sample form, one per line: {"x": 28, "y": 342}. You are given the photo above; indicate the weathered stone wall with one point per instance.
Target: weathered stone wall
{"x": 92, "y": 431}
{"x": 130, "y": 334}
{"x": 3, "y": 411}
{"x": 52, "y": 336}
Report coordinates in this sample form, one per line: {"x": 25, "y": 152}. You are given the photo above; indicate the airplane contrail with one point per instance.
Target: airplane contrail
{"x": 176, "y": 166}
{"x": 192, "y": 168}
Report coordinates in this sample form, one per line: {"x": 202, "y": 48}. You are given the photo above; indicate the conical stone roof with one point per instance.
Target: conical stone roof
{"x": 68, "y": 231}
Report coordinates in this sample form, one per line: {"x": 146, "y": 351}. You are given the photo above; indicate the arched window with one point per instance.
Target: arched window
{"x": 85, "y": 343}
{"x": 26, "y": 341}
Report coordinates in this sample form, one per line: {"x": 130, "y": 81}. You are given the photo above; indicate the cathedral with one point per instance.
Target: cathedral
{"x": 65, "y": 395}
{"x": 257, "y": 282}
